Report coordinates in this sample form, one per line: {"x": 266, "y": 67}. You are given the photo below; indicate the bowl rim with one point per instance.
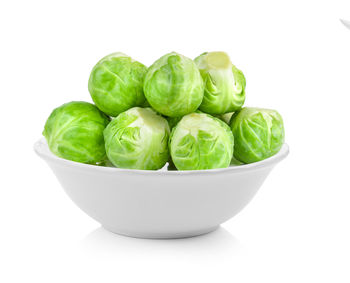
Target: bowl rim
{"x": 41, "y": 148}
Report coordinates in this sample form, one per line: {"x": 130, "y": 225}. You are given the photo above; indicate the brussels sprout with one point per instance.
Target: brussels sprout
{"x": 138, "y": 139}
{"x": 224, "y": 84}
{"x": 173, "y": 85}
{"x": 259, "y": 134}
{"x": 116, "y": 84}
{"x": 200, "y": 141}
{"x": 74, "y": 131}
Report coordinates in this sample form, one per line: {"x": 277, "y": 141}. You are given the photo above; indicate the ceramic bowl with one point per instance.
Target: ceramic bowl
{"x": 159, "y": 204}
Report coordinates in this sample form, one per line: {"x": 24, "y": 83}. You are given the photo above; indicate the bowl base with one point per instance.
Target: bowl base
{"x": 160, "y": 235}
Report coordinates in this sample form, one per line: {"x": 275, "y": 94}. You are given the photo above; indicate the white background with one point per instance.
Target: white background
{"x": 296, "y": 58}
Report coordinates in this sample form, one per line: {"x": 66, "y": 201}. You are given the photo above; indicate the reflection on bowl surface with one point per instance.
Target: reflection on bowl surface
{"x": 159, "y": 204}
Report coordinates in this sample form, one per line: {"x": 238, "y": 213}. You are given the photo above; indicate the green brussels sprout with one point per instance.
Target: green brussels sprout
{"x": 258, "y": 133}
{"x": 200, "y": 141}
{"x": 173, "y": 85}
{"x": 224, "y": 84}
{"x": 138, "y": 139}
{"x": 116, "y": 83}
{"x": 74, "y": 131}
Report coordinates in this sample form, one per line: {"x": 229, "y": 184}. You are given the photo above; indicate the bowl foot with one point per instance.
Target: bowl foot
{"x": 161, "y": 235}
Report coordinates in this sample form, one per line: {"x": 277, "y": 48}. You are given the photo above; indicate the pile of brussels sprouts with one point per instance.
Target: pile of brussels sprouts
{"x": 185, "y": 112}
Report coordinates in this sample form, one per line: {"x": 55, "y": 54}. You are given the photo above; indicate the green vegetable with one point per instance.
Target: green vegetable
{"x": 200, "y": 141}
{"x": 116, "y": 84}
{"x": 259, "y": 134}
{"x": 173, "y": 85}
{"x": 187, "y": 113}
{"x": 138, "y": 139}
{"x": 224, "y": 84}
{"x": 74, "y": 131}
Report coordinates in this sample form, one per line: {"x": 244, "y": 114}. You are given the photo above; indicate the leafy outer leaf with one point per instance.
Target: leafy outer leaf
{"x": 74, "y": 131}
{"x": 259, "y": 134}
{"x": 173, "y": 85}
{"x": 200, "y": 141}
{"x": 138, "y": 139}
{"x": 224, "y": 84}
{"x": 116, "y": 83}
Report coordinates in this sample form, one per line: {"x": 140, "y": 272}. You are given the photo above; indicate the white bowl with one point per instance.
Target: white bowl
{"x": 159, "y": 204}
